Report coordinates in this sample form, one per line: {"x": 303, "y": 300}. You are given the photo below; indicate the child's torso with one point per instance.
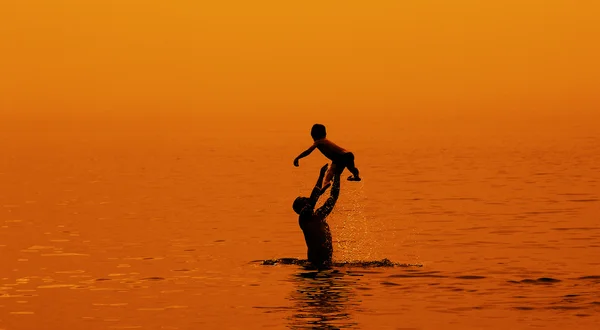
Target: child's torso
{"x": 330, "y": 149}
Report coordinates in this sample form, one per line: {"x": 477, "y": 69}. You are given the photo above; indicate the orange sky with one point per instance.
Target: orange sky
{"x": 200, "y": 57}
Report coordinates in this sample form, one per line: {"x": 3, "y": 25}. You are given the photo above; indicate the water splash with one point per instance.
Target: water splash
{"x": 352, "y": 229}
{"x": 354, "y": 263}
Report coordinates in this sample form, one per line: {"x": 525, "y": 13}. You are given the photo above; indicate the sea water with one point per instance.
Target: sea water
{"x": 168, "y": 228}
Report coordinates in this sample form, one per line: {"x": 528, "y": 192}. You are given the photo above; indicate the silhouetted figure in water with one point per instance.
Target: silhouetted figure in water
{"x": 316, "y": 230}
{"x": 340, "y": 157}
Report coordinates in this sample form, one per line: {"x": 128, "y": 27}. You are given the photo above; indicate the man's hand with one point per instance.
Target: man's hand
{"x": 324, "y": 169}
{"x": 296, "y": 162}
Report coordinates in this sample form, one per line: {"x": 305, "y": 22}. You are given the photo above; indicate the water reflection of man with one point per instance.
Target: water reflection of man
{"x": 323, "y": 300}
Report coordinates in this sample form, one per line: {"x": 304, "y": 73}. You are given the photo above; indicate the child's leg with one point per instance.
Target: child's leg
{"x": 354, "y": 171}
{"x": 352, "y": 168}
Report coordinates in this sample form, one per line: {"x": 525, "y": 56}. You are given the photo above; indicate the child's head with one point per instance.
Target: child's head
{"x": 318, "y": 132}
{"x": 300, "y": 203}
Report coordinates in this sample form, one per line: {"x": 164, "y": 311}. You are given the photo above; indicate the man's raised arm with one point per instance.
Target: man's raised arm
{"x": 317, "y": 191}
{"x": 324, "y": 210}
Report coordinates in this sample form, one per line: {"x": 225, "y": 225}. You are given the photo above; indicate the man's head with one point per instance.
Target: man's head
{"x": 318, "y": 132}
{"x": 300, "y": 203}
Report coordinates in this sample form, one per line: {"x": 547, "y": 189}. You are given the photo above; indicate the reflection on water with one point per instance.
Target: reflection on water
{"x": 323, "y": 300}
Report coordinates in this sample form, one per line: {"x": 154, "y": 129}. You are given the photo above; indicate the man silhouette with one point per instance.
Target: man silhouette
{"x": 316, "y": 230}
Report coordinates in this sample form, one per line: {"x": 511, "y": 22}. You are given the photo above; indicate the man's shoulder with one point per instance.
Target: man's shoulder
{"x": 306, "y": 214}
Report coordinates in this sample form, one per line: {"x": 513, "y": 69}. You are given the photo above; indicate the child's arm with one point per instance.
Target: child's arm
{"x": 304, "y": 154}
